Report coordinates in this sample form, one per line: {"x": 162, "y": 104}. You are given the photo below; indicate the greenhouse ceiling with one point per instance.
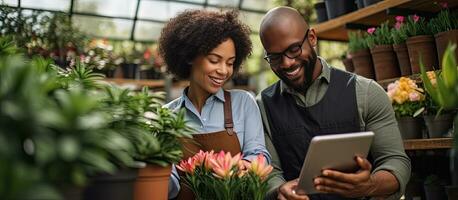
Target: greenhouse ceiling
{"x": 137, "y": 20}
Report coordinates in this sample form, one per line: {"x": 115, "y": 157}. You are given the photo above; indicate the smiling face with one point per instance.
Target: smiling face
{"x": 288, "y": 40}
{"x": 295, "y": 72}
{"x": 210, "y": 72}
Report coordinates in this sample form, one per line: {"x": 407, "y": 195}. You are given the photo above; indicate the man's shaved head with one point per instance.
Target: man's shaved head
{"x": 282, "y": 18}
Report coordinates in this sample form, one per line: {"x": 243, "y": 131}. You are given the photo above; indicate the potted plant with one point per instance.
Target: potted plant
{"x": 220, "y": 176}
{"x": 157, "y": 143}
{"x": 385, "y": 62}
{"x": 399, "y": 46}
{"x": 348, "y": 63}
{"x": 63, "y": 128}
{"x": 420, "y": 43}
{"x": 446, "y": 95}
{"x": 438, "y": 122}
{"x": 445, "y": 29}
{"x": 407, "y": 100}
{"x": 359, "y": 51}
{"x": 99, "y": 56}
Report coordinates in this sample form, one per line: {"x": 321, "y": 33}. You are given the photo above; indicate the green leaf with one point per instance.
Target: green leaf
{"x": 69, "y": 148}
{"x": 449, "y": 68}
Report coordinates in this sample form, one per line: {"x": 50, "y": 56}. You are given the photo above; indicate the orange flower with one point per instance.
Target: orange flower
{"x": 187, "y": 166}
{"x": 260, "y": 167}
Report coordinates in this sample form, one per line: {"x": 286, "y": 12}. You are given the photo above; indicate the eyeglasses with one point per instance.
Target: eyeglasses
{"x": 291, "y": 52}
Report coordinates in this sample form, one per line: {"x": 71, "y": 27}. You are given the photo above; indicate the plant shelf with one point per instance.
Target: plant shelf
{"x": 428, "y": 144}
{"x": 336, "y": 29}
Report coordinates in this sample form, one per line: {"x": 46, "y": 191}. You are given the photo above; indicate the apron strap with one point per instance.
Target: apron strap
{"x": 228, "y": 123}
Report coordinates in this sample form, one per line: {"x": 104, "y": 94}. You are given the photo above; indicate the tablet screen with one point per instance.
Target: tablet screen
{"x": 335, "y": 152}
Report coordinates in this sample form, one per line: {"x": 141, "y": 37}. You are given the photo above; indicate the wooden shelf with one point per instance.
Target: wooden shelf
{"x": 374, "y": 15}
{"x": 425, "y": 144}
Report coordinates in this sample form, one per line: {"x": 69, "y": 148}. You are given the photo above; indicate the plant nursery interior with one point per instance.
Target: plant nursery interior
{"x": 124, "y": 100}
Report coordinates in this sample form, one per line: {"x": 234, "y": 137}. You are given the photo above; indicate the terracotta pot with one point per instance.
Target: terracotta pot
{"x": 410, "y": 127}
{"x": 424, "y": 45}
{"x": 385, "y": 62}
{"x": 152, "y": 183}
{"x": 403, "y": 58}
{"x": 442, "y": 40}
{"x": 348, "y": 63}
{"x": 438, "y": 126}
{"x": 362, "y": 61}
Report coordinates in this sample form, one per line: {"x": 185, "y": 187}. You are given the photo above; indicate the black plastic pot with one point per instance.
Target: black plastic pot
{"x": 435, "y": 192}
{"x": 336, "y": 8}
{"x": 118, "y": 186}
{"x": 321, "y": 13}
{"x": 370, "y": 2}
{"x": 359, "y": 4}
{"x": 438, "y": 126}
{"x": 129, "y": 70}
{"x": 410, "y": 127}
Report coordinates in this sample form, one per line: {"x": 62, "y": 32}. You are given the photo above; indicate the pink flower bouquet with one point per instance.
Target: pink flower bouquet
{"x": 223, "y": 176}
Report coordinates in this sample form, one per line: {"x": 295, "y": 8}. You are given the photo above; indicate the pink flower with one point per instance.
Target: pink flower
{"x": 260, "y": 167}
{"x": 414, "y": 96}
{"x": 416, "y": 18}
{"x": 222, "y": 164}
{"x": 187, "y": 166}
{"x": 208, "y": 157}
{"x": 400, "y": 19}
{"x": 371, "y": 30}
{"x": 391, "y": 86}
{"x": 397, "y": 26}
{"x": 200, "y": 157}
{"x": 443, "y": 4}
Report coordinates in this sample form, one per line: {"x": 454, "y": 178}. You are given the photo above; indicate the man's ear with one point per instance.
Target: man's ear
{"x": 312, "y": 37}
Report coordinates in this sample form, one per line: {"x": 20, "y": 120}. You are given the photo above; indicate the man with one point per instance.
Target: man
{"x": 313, "y": 98}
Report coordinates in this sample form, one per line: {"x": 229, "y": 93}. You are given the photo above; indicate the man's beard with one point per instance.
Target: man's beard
{"x": 309, "y": 67}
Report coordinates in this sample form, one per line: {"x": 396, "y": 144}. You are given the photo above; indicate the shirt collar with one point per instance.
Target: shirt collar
{"x": 218, "y": 95}
{"x": 325, "y": 75}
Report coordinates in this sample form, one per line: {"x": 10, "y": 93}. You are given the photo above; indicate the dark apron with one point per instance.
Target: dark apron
{"x": 222, "y": 140}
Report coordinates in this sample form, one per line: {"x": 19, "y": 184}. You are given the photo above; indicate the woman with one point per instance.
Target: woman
{"x": 207, "y": 48}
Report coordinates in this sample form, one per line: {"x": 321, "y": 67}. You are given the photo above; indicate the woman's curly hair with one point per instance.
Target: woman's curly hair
{"x": 197, "y": 32}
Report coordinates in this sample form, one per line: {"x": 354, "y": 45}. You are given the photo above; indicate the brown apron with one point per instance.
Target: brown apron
{"x": 222, "y": 140}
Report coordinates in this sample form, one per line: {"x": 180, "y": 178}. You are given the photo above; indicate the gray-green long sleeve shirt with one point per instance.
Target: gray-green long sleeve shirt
{"x": 375, "y": 114}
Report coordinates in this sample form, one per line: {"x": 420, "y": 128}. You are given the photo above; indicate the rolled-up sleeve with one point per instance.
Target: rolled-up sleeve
{"x": 387, "y": 149}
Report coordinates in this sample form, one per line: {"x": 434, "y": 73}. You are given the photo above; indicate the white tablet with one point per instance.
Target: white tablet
{"x": 335, "y": 152}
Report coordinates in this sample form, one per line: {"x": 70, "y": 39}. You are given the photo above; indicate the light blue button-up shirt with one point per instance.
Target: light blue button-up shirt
{"x": 245, "y": 115}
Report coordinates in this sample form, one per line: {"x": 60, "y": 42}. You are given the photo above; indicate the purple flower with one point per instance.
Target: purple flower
{"x": 371, "y": 30}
